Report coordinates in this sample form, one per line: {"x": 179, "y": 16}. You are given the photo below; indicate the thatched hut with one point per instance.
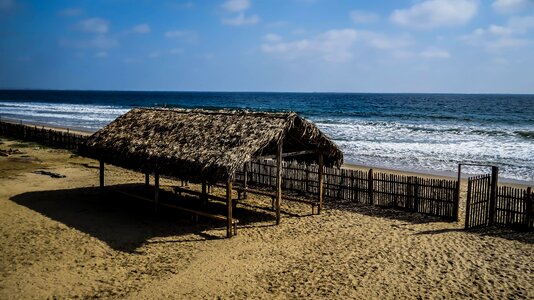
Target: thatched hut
{"x": 207, "y": 146}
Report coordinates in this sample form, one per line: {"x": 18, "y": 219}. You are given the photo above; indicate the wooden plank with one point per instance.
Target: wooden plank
{"x": 245, "y": 180}
{"x": 529, "y": 212}
{"x": 278, "y": 181}
{"x": 370, "y": 187}
{"x": 468, "y": 205}
{"x": 101, "y": 174}
{"x": 178, "y": 189}
{"x": 204, "y": 195}
{"x": 156, "y": 191}
{"x": 320, "y": 183}
{"x": 290, "y": 154}
{"x": 493, "y": 194}
{"x": 229, "y": 208}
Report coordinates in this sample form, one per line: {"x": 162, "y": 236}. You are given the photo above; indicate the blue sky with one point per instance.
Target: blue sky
{"x": 448, "y": 46}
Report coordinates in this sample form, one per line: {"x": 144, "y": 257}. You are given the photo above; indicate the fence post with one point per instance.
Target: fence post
{"x": 320, "y": 174}
{"x": 416, "y": 194}
{"x": 529, "y": 215}
{"x": 307, "y": 178}
{"x": 493, "y": 193}
{"x": 456, "y": 207}
{"x": 340, "y": 187}
{"x": 468, "y": 205}
{"x": 410, "y": 198}
{"x": 370, "y": 186}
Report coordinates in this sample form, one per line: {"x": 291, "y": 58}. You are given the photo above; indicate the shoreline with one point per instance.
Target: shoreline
{"x": 47, "y": 126}
{"x": 406, "y": 171}
{"x": 436, "y": 175}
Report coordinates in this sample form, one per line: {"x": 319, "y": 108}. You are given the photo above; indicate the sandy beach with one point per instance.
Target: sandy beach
{"x": 62, "y": 238}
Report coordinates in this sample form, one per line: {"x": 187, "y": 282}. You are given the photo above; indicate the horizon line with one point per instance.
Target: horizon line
{"x": 265, "y": 92}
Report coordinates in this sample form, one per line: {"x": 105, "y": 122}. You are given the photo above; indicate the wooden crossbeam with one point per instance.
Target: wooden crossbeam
{"x": 278, "y": 181}
{"x": 290, "y": 154}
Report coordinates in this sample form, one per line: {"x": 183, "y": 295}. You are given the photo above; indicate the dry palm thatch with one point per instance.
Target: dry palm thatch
{"x": 204, "y": 145}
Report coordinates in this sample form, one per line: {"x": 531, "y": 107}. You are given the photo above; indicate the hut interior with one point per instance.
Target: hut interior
{"x": 209, "y": 146}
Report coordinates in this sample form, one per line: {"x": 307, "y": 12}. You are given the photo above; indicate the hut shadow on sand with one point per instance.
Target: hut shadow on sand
{"x": 125, "y": 224}
{"x": 388, "y": 213}
{"x": 504, "y": 233}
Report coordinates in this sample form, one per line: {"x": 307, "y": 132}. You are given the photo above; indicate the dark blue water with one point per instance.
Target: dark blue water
{"x": 422, "y": 132}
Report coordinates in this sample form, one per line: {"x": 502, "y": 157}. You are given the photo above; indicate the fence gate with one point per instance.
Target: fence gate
{"x": 481, "y": 195}
{"x": 478, "y": 200}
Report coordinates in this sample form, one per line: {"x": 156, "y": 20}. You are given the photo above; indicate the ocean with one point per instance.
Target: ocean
{"x": 413, "y": 132}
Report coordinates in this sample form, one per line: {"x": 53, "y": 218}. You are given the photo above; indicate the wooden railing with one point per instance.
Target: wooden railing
{"x": 514, "y": 208}
{"x": 45, "y": 136}
{"x": 437, "y": 197}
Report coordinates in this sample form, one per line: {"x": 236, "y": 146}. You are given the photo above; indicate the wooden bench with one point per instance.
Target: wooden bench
{"x": 179, "y": 190}
{"x": 196, "y": 213}
{"x": 272, "y": 195}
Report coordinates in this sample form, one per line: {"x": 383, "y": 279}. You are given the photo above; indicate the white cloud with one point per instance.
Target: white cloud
{"x": 271, "y": 37}
{"x": 188, "y": 36}
{"x": 298, "y": 31}
{"x": 436, "y": 13}
{"x": 239, "y": 6}
{"x": 99, "y": 42}
{"x": 435, "y": 53}
{"x": 336, "y": 45}
{"x": 241, "y": 19}
{"x": 93, "y": 25}
{"x": 236, "y": 5}
{"x": 521, "y": 25}
{"x": 497, "y": 38}
{"x": 70, "y": 12}
{"x": 402, "y": 54}
{"x": 102, "y": 54}
{"x": 511, "y": 6}
{"x": 154, "y": 54}
{"x": 360, "y": 16}
{"x": 141, "y": 28}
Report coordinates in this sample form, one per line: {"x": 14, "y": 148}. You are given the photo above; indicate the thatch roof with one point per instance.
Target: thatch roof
{"x": 201, "y": 144}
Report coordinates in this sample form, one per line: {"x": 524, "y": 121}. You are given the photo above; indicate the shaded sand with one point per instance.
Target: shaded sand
{"x": 62, "y": 238}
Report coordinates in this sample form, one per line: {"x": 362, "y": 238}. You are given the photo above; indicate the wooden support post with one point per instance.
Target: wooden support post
{"x": 321, "y": 183}
{"x": 147, "y": 180}
{"x": 101, "y": 175}
{"x": 493, "y": 193}
{"x": 229, "y": 207}
{"x": 278, "y": 181}
{"x": 245, "y": 180}
{"x": 457, "y": 196}
{"x": 204, "y": 194}
{"x": 156, "y": 191}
